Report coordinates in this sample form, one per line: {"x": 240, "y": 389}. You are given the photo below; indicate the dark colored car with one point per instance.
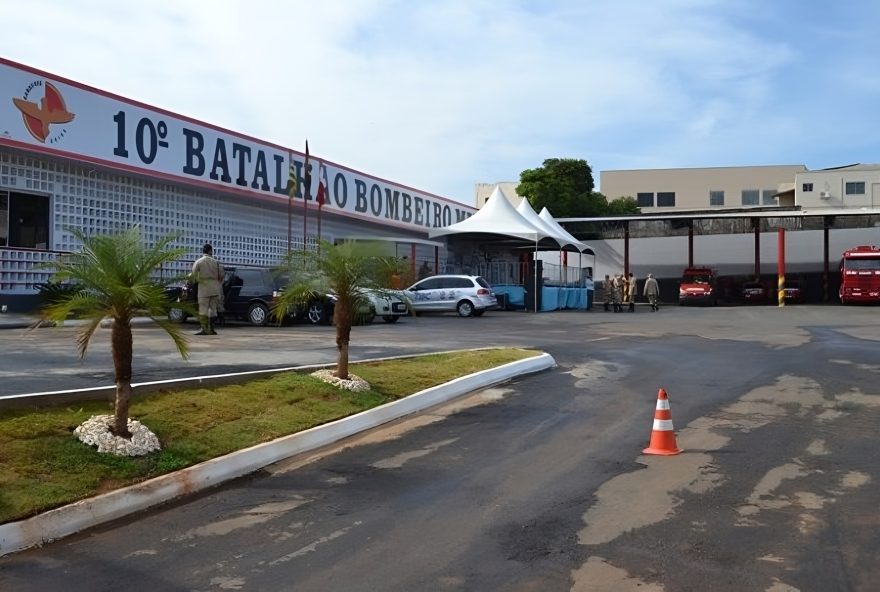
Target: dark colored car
{"x": 248, "y": 294}
{"x": 755, "y": 293}
{"x": 794, "y": 292}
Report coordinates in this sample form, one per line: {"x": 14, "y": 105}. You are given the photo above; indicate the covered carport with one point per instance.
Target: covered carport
{"x": 758, "y": 221}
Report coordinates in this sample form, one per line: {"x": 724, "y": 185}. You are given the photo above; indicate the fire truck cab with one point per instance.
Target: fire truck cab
{"x": 860, "y": 275}
{"x": 699, "y": 285}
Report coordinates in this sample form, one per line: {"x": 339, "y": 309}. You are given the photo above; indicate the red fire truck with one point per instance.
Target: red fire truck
{"x": 860, "y": 275}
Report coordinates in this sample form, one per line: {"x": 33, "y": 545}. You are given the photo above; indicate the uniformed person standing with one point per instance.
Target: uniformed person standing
{"x": 632, "y": 290}
{"x": 607, "y": 289}
{"x": 652, "y": 291}
{"x": 208, "y": 275}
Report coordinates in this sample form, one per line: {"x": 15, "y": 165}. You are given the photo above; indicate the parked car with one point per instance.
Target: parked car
{"x": 755, "y": 293}
{"x": 248, "y": 294}
{"x": 468, "y": 295}
{"x": 794, "y": 292}
{"x": 387, "y": 305}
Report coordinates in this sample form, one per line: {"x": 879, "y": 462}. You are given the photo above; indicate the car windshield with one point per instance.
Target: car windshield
{"x": 696, "y": 279}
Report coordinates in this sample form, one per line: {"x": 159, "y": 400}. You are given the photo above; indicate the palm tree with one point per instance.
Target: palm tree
{"x": 114, "y": 275}
{"x": 348, "y": 269}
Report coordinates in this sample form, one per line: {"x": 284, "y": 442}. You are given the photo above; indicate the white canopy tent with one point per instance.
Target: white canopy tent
{"x": 551, "y": 222}
{"x": 497, "y": 217}
{"x": 565, "y": 242}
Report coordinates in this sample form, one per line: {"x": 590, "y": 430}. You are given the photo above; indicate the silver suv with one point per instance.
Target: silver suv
{"x": 468, "y": 295}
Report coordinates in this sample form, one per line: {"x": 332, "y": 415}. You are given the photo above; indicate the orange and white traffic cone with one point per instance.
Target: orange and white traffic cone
{"x": 663, "y": 435}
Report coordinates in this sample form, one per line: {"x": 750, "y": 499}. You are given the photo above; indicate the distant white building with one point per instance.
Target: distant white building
{"x": 664, "y": 190}
{"x": 482, "y": 191}
{"x": 853, "y": 186}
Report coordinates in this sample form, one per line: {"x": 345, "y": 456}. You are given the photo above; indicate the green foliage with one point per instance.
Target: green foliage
{"x": 54, "y": 292}
{"x": 113, "y": 273}
{"x": 623, "y": 206}
{"x": 349, "y": 270}
{"x": 565, "y": 187}
{"x": 562, "y": 185}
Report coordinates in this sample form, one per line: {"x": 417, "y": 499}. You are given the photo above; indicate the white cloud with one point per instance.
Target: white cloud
{"x": 440, "y": 95}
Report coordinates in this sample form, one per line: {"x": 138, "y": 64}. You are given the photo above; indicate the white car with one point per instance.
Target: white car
{"x": 468, "y": 295}
{"x": 387, "y": 305}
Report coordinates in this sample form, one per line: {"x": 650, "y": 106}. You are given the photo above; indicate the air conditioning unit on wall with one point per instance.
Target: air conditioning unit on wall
{"x": 825, "y": 195}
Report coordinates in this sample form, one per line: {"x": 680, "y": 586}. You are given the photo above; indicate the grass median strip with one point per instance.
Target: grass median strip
{"x": 43, "y": 465}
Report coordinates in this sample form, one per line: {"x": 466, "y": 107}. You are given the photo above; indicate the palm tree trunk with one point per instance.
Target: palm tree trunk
{"x": 343, "y": 319}
{"x": 121, "y": 341}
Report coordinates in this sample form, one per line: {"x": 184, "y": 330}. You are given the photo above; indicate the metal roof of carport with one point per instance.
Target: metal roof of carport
{"x": 739, "y": 213}
{"x": 754, "y": 213}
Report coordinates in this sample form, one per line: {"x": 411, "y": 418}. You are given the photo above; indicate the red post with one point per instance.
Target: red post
{"x": 780, "y": 247}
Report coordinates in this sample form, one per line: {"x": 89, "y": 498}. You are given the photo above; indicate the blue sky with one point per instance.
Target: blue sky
{"x": 440, "y": 95}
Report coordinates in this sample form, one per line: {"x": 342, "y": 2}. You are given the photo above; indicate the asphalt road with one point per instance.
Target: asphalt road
{"x": 539, "y": 484}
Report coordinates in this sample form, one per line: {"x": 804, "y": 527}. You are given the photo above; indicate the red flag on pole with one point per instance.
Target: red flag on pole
{"x": 321, "y": 197}
{"x": 307, "y": 186}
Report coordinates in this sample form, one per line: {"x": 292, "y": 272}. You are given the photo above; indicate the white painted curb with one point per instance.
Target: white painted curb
{"x": 64, "y": 521}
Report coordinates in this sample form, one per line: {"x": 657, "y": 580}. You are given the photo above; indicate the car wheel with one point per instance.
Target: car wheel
{"x": 317, "y": 313}
{"x": 258, "y": 314}
{"x": 465, "y": 308}
{"x": 390, "y": 318}
{"x": 176, "y": 315}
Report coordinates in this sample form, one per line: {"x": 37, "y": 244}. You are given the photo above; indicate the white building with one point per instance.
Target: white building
{"x": 72, "y": 156}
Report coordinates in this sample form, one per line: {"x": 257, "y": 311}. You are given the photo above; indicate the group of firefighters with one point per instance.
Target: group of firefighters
{"x": 623, "y": 289}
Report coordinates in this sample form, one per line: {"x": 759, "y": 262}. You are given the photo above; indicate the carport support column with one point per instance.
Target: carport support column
{"x": 826, "y": 227}
{"x": 412, "y": 261}
{"x": 436, "y": 260}
{"x": 690, "y": 243}
{"x": 756, "y": 225}
{"x": 780, "y": 249}
{"x": 626, "y": 249}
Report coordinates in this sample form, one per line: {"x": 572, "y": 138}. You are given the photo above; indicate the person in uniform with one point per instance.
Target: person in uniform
{"x": 207, "y": 273}
{"x": 652, "y": 292}
{"x": 607, "y": 289}
{"x": 617, "y": 292}
{"x": 632, "y": 290}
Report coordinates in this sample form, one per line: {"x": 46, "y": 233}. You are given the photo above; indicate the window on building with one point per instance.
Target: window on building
{"x": 807, "y": 187}
{"x": 750, "y": 197}
{"x": 855, "y": 188}
{"x": 768, "y": 197}
{"x": 716, "y": 198}
{"x": 665, "y": 199}
{"x": 645, "y": 200}
{"x": 24, "y": 220}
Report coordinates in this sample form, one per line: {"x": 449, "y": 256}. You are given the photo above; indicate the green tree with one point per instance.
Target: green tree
{"x": 623, "y": 206}
{"x": 565, "y": 187}
{"x": 350, "y": 270}
{"x": 562, "y": 185}
{"x": 115, "y": 276}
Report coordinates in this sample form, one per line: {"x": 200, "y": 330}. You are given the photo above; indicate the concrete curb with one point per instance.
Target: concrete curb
{"x": 67, "y": 520}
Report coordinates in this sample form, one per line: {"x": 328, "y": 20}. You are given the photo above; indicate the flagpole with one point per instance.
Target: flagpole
{"x": 320, "y": 200}
{"x": 307, "y": 183}
{"x": 291, "y": 193}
